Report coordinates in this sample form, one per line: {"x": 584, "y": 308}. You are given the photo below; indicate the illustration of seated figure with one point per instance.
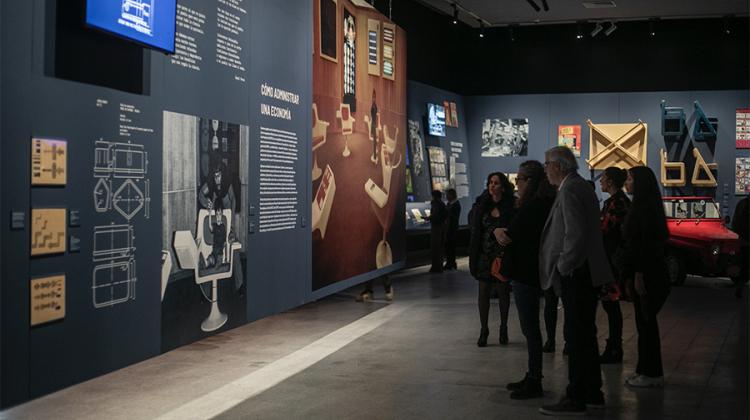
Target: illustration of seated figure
{"x": 218, "y": 228}
{"x": 383, "y": 202}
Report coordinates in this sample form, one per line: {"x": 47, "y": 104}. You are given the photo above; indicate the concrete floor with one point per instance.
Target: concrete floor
{"x": 415, "y": 358}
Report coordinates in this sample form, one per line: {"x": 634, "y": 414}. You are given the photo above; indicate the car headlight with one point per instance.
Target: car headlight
{"x": 715, "y": 250}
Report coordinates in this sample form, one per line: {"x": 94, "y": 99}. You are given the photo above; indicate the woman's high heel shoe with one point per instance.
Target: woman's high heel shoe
{"x": 482, "y": 342}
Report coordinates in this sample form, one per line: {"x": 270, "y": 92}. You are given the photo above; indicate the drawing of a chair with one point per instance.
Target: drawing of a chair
{"x": 671, "y": 166}
{"x": 384, "y": 200}
{"x": 389, "y": 142}
{"x": 321, "y": 206}
{"x": 320, "y": 129}
{"x": 193, "y": 254}
{"x": 373, "y": 139}
{"x": 347, "y": 126}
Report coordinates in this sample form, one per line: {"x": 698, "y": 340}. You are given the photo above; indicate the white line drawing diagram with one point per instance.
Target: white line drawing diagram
{"x": 120, "y": 160}
{"x": 121, "y": 187}
{"x": 138, "y": 15}
{"x": 114, "y": 161}
{"x": 115, "y": 277}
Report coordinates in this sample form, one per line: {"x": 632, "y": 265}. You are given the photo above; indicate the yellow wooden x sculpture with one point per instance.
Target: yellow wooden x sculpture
{"x": 621, "y": 145}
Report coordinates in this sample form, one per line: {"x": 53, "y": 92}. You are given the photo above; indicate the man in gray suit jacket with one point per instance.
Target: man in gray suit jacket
{"x": 572, "y": 260}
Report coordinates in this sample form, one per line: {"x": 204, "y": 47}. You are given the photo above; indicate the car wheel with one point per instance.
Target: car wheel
{"x": 676, "y": 269}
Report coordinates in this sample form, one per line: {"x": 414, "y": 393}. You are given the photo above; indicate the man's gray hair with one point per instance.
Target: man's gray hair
{"x": 564, "y": 156}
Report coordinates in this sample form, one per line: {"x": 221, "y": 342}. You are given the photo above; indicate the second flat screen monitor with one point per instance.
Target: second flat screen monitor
{"x": 436, "y": 120}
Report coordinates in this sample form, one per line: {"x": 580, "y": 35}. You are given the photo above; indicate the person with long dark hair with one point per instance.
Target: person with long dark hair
{"x": 614, "y": 210}
{"x": 494, "y": 211}
{"x": 521, "y": 266}
{"x": 645, "y": 233}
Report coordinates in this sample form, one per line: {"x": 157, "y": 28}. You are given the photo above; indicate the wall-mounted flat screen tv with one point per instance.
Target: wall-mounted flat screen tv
{"x": 148, "y": 22}
{"x": 436, "y": 120}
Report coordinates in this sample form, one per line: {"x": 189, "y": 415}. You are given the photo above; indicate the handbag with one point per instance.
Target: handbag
{"x": 497, "y": 263}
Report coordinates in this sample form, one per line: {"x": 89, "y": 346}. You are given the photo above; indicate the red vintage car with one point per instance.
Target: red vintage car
{"x": 699, "y": 241}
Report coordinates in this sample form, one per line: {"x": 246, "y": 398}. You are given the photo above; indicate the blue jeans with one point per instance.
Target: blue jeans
{"x": 527, "y": 303}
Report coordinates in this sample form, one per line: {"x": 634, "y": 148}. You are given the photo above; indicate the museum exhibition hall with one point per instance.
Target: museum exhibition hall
{"x": 159, "y": 259}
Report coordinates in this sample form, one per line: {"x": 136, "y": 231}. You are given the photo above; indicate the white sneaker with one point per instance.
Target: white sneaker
{"x": 389, "y": 294}
{"x": 364, "y": 297}
{"x": 643, "y": 381}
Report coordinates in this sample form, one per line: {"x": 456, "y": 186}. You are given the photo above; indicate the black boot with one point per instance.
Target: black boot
{"x": 513, "y": 386}
{"x": 503, "y": 334}
{"x": 612, "y": 353}
{"x": 482, "y": 342}
{"x": 532, "y": 388}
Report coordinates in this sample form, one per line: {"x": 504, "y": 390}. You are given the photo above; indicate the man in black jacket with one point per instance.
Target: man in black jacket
{"x": 451, "y": 236}
{"x": 437, "y": 220}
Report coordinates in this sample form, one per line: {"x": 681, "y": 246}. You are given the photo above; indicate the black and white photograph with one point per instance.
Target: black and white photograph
{"x": 204, "y": 233}
{"x": 417, "y": 147}
{"x": 505, "y": 137}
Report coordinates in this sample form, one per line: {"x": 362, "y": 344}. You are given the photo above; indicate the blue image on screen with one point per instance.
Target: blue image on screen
{"x": 149, "y": 22}
{"x": 436, "y": 120}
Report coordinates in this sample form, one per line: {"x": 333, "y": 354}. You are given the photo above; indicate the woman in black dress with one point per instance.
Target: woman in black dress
{"x": 521, "y": 266}
{"x": 494, "y": 211}
{"x": 645, "y": 234}
{"x": 613, "y": 214}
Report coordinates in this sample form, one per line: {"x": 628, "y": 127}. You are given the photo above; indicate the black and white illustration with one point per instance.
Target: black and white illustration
{"x": 417, "y": 147}
{"x": 505, "y": 137}
{"x": 138, "y": 14}
{"x": 205, "y": 181}
{"x": 350, "y": 60}
{"x": 122, "y": 189}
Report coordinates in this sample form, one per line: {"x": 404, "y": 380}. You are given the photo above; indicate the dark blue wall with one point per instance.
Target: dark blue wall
{"x": 89, "y": 341}
{"x": 546, "y": 112}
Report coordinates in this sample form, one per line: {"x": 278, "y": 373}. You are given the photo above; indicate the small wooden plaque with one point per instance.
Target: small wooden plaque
{"x": 47, "y": 299}
{"x": 48, "y": 234}
{"x": 49, "y": 162}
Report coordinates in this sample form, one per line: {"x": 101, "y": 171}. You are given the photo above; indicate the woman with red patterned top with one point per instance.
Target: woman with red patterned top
{"x": 613, "y": 214}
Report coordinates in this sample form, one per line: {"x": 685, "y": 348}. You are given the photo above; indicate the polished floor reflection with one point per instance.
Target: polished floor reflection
{"x": 416, "y": 358}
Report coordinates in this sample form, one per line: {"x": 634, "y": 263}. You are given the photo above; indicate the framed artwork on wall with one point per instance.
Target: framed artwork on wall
{"x": 454, "y": 115}
{"x": 328, "y": 15}
{"x": 570, "y": 136}
{"x": 350, "y": 60}
{"x": 389, "y": 51}
{"x": 373, "y": 47}
{"x": 742, "y": 128}
{"x": 505, "y": 137}
{"x": 742, "y": 176}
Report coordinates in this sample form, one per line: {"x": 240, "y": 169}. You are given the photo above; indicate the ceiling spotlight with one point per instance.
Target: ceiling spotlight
{"x": 579, "y": 32}
{"x": 598, "y": 28}
{"x": 612, "y": 28}
{"x": 455, "y": 14}
{"x": 511, "y": 33}
{"x": 481, "y": 28}
{"x": 534, "y": 5}
{"x": 652, "y": 26}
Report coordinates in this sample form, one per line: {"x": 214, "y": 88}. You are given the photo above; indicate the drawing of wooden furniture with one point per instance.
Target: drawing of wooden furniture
{"x": 320, "y": 129}
{"x": 388, "y": 141}
{"x": 707, "y": 168}
{"x": 347, "y": 126}
{"x": 384, "y": 199}
{"x": 671, "y": 166}
{"x": 321, "y": 206}
{"x": 374, "y": 139}
{"x": 193, "y": 254}
{"x": 621, "y": 145}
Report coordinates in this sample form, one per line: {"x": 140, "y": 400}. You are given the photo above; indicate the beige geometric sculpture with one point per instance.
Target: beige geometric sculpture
{"x": 707, "y": 168}
{"x": 671, "y": 166}
{"x": 621, "y": 145}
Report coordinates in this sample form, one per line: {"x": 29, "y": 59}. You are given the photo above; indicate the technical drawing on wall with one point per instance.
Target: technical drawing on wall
{"x": 138, "y": 15}
{"x": 121, "y": 189}
{"x": 114, "y": 276}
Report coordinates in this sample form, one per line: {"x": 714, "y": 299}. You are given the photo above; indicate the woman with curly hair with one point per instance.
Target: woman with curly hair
{"x": 495, "y": 210}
